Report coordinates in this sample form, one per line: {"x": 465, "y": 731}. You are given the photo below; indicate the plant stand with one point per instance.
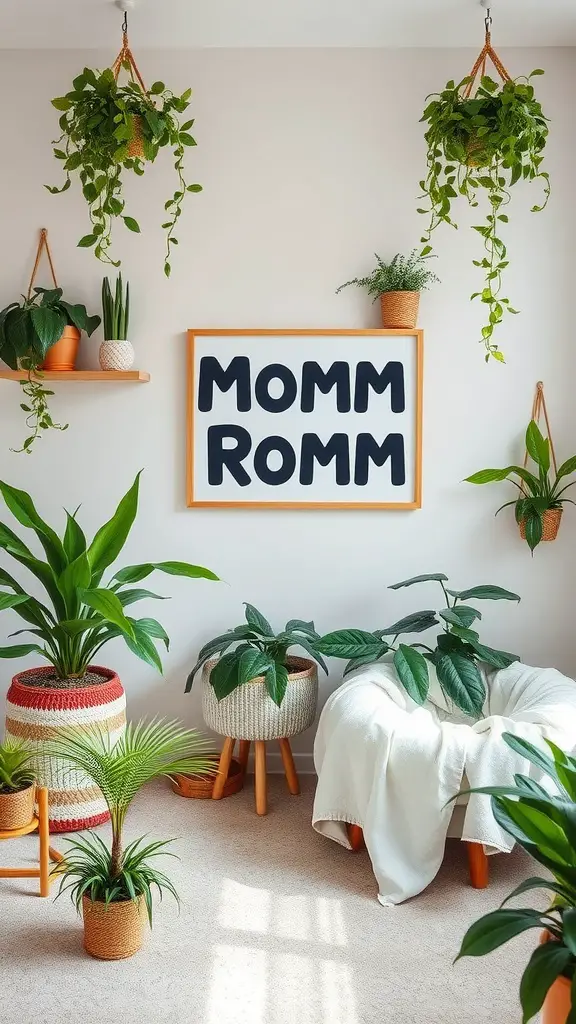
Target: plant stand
{"x": 47, "y": 853}
{"x": 260, "y": 779}
{"x": 477, "y": 859}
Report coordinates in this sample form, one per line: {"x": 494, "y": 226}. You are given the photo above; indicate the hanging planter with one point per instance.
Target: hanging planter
{"x": 108, "y": 128}
{"x": 485, "y": 140}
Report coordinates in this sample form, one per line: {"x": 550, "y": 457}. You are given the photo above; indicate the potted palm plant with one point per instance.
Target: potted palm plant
{"x": 539, "y": 503}
{"x": 116, "y": 352}
{"x": 17, "y": 785}
{"x": 398, "y": 285}
{"x": 541, "y": 820}
{"x": 112, "y": 885}
{"x": 79, "y": 615}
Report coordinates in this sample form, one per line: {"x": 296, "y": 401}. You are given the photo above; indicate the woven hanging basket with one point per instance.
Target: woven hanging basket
{"x": 136, "y": 144}
{"x": 114, "y": 931}
{"x": 399, "y": 309}
{"x": 199, "y": 787}
{"x": 37, "y": 715}
{"x": 550, "y": 524}
{"x": 248, "y": 713}
{"x": 16, "y": 809}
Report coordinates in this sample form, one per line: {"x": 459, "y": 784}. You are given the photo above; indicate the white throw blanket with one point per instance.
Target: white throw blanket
{"x": 390, "y": 766}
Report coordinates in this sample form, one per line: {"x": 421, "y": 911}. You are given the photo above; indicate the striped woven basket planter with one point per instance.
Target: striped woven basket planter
{"x": 37, "y": 715}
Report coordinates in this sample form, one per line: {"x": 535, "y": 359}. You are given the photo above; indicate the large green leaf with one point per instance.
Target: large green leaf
{"x": 12, "y": 544}
{"x": 20, "y": 651}
{"x": 569, "y": 929}
{"x": 460, "y": 615}
{"x": 538, "y": 883}
{"x": 438, "y": 576}
{"x": 74, "y": 540}
{"x": 152, "y": 628}
{"x": 127, "y": 597}
{"x": 498, "y": 659}
{"x": 417, "y": 622}
{"x": 496, "y": 928}
{"x": 311, "y": 648}
{"x": 412, "y": 669}
{"x": 111, "y": 537}
{"x": 224, "y": 675}
{"x": 351, "y": 643}
{"x": 48, "y": 324}
{"x": 533, "y": 530}
{"x": 78, "y": 316}
{"x": 537, "y": 446}
{"x": 547, "y": 962}
{"x": 143, "y": 647}
{"x": 109, "y": 607}
{"x": 252, "y": 663}
{"x": 535, "y": 756}
{"x": 31, "y": 610}
{"x": 11, "y": 600}
{"x": 300, "y": 626}
{"x": 276, "y": 679}
{"x": 354, "y": 663}
{"x": 540, "y": 829}
{"x": 135, "y": 573}
{"x": 567, "y": 467}
{"x": 23, "y": 509}
{"x": 489, "y": 476}
{"x": 461, "y": 681}
{"x": 485, "y": 592}
{"x": 76, "y": 577}
{"x": 257, "y": 621}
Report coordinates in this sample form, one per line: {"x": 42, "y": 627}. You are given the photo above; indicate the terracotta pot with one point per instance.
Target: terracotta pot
{"x": 37, "y": 714}
{"x": 199, "y": 787}
{"x": 400, "y": 309}
{"x": 17, "y": 809}
{"x": 113, "y": 932}
{"x": 558, "y": 1002}
{"x": 550, "y": 524}
{"x": 62, "y": 354}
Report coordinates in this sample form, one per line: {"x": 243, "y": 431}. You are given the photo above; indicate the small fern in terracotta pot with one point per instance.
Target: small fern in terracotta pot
{"x": 398, "y": 285}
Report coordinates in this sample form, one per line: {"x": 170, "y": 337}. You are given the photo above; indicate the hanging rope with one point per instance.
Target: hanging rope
{"x": 126, "y": 57}
{"x": 539, "y": 407}
{"x": 486, "y": 52}
{"x": 42, "y": 244}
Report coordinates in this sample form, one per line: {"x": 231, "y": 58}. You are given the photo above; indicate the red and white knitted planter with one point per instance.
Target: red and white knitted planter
{"x": 36, "y": 715}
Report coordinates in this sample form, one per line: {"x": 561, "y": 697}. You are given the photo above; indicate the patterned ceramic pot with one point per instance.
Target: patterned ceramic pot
{"x": 248, "y": 713}
{"x": 116, "y": 355}
{"x": 37, "y": 715}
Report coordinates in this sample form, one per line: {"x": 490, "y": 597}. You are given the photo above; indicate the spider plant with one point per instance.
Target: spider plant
{"x": 16, "y": 772}
{"x": 146, "y": 751}
{"x": 116, "y": 310}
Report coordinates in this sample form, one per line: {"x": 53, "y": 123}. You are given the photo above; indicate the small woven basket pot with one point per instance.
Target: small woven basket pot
{"x": 199, "y": 787}
{"x": 248, "y": 713}
{"x": 17, "y": 809}
{"x": 116, "y": 355}
{"x": 399, "y": 309}
{"x": 113, "y": 932}
{"x": 550, "y": 524}
{"x": 135, "y": 145}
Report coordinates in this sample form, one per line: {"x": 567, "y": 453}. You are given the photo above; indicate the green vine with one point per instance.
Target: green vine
{"x": 38, "y": 416}
{"x": 489, "y": 141}
{"x": 108, "y": 128}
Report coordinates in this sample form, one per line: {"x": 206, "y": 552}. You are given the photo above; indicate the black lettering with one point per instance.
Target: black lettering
{"x": 313, "y": 376}
{"x": 392, "y": 448}
{"x": 231, "y": 458}
{"x": 263, "y": 396}
{"x": 274, "y": 476}
{"x": 392, "y": 376}
{"x": 336, "y": 448}
{"x": 211, "y": 373}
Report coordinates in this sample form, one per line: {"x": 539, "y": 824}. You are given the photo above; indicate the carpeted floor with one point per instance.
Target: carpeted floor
{"x": 277, "y": 926}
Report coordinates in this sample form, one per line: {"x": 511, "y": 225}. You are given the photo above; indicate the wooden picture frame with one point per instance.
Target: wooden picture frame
{"x": 197, "y": 347}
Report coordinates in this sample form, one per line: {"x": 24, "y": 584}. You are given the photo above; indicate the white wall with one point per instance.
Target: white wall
{"x": 310, "y": 161}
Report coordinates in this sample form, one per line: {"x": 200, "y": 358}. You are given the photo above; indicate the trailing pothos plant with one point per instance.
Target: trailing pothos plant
{"x": 108, "y": 128}
{"x": 27, "y": 330}
{"x": 456, "y": 652}
{"x": 258, "y": 651}
{"x": 486, "y": 142}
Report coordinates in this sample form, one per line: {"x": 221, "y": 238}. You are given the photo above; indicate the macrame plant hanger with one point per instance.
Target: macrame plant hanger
{"x": 42, "y": 245}
{"x": 486, "y": 53}
{"x": 125, "y": 59}
{"x": 539, "y": 408}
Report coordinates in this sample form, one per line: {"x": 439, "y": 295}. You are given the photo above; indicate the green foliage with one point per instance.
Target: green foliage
{"x": 544, "y": 824}
{"x": 16, "y": 772}
{"x": 455, "y": 656}
{"x": 146, "y": 751}
{"x": 253, "y": 649}
{"x": 116, "y": 310}
{"x": 27, "y": 330}
{"x": 402, "y": 274}
{"x": 537, "y": 492}
{"x": 489, "y": 141}
{"x": 81, "y": 615}
{"x": 101, "y": 121}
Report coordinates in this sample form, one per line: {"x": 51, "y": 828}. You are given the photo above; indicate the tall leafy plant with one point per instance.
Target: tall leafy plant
{"x": 455, "y": 654}
{"x": 116, "y": 309}
{"x": 81, "y": 613}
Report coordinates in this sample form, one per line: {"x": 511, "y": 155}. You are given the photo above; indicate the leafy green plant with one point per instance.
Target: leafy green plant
{"x": 108, "y": 128}
{"x": 16, "y": 772}
{"x": 27, "y": 330}
{"x": 116, "y": 310}
{"x": 486, "y": 142}
{"x": 258, "y": 651}
{"x": 542, "y": 823}
{"x": 82, "y": 613}
{"x": 538, "y": 493}
{"x": 402, "y": 274}
{"x": 455, "y": 655}
{"x": 146, "y": 751}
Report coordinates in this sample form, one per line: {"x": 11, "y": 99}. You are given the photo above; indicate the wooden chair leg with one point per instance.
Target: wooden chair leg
{"x": 223, "y": 768}
{"x": 289, "y": 767}
{"x": 355, "y": 837}
{"x": 260, "y": 776}
{"x": 244, "y": 754}
{"x": 478, "y": 865}
{"x": 43, "y": 833}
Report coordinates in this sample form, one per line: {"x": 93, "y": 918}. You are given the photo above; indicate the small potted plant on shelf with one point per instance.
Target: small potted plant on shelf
{"x": 454, "y": 655}
{"x": 116, "y": 352}
{"x": 398, "y": 285}
{"x": 542, "y": 822}
{"x": 17, "y": 785}
{"x": 112, "y": 885}
{"x": 42, "y": 333}
{"x": 79, "y": 615}
{"x": 539, "y": 503}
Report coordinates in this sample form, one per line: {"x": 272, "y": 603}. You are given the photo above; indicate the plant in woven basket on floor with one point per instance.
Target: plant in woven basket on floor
{"x": 455, "y": 655}
{"x": 538, "y": 505}
{"x": 116, "y": 352}
{"x": 108, "y": 129}
{"x": 541, "y": 820}
{"x": 398, "y": 285}
{"x": 79, "y": 615}
{"x": 484, "y": 142}
{"x": 17, "y": 784}
{"x": 112, "y": 885}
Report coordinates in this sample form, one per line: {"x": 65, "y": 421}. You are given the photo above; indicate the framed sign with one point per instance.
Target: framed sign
{"x": 304, "y": 419}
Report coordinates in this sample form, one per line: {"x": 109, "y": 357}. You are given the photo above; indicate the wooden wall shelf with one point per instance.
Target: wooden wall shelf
{"x": 138, "y": 376}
